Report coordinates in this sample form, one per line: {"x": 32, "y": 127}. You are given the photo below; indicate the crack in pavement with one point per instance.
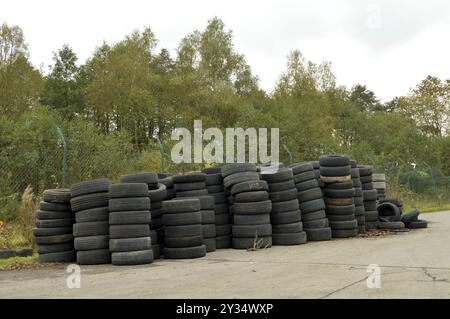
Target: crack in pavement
{"x": 433, "y": 278}
{"x": 342, "y": 288}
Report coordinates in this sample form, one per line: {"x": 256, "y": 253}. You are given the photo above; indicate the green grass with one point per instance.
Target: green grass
{"x": 18, "y": 262}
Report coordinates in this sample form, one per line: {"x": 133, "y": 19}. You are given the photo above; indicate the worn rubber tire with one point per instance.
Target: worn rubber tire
{"x": 334, "y": 160}
{"x": 214, "y": 179}
{"x": 307, "y": 185}
{"x": 287, "y": 228}
{"x": 89, "y": 187}
{"x": 283, "y": 196}
{"x": 223, "y": 219}
{"x": 210, "y": 244}
{"x": 54, "y": 248}
{"x": 329, "y": 171}
{"x": 282, "y": 186}
{"x": 129, "y": 204}
{"x": 246, "y": 231}
{"x": 251, "y": 219}
{"x": 255, "y": 196}
{"x": 371, "y": 216}
{"x": 286, "y": 217}
{"x": 130, "y": 244}
{"x": 91, "y": 242}
{"x": 318, "y": 223}
{"x": 283, "y": 174}
{"x": 88, "y": 201}
{"x": 411, "y": 216}
{"x": 209, "y": 231}
{"x": 339, "y": 201}
{"x": 391, "y": 225}
{"x": 54, "y": 223}
{"x": 370, "y": 205}
{"x": 181, "y": 206}
{"x": 59, "y": 195}
{"x": 189, "y": 218}
{"x": 139, "y": 257}
{"x": 310, "y": 194}
{"x": 303, "y": 177}
{"x": 44, "y": 215}
{"x": 91, "y": 229}
{"x": 234, "y": 179}
{"x": 92, "y": 215}
{"x": 182, "y": 242}
{"x": 194, "y": 193}
{"x": 307, "y": 217}
{"x": 339, "y": 193}
{"x": 263, "y": 207}
{"x": 189, "y": 178}
{"x": 223, "y": 230}
{"x": 343, "y": 225}
{"x": 128, "y": 231}
{"x": 416, "y": 224}
{"x": 57, "y": 257}
{"x": 312, "y": 206}
{"x": 318, "y": 234}
{"x": 185, "y": 253}
{"x": 214, "y": 188}
{"x": 286, "y": 239}
{"x": 299, "y": 168}
{"x": 130, "y": 218}
{"x": 37, "y": 232}
{"x": 235, "y": 168}
{"x": 94, "y": 257}
{"x": 208, "y": 217}
{"x": 54, "y": 207}
{"x": 389, "y": 211}
{"x": 183, "y": 230}
{"x": 287, "y": 206}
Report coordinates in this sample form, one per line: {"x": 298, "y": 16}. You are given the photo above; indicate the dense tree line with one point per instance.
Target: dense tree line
{"x": 128, "y": 92}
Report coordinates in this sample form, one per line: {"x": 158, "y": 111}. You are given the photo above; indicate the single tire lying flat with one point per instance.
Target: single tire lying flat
{"x": 89, "y": 187}
{"x": 60, "y": 195}
{"x": 138, "y": 257}
{"x": 416, "y": 224}
{"x": 93, "y": 257}
{"x": 128, "y": 231}
{"x": 91, "y": 242}
{"x": 185, "y": 253}
{"x": 58, "y": 257}
{"x": 318, "y": 234}
{"x": 286, "y": 239}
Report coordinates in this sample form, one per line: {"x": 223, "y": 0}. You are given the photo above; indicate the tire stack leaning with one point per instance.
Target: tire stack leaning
{"x": 339, "y": 192}
{"x": 379, "y": 183}
{"x": 358, "y": 199}
{"x": 311, "y": 203}
{"x": 287, "y": 227}
{"x": 157, "y": 191}
{"x": 251, "y": 215}
{"x": 53, "y": 232}
{"x": 183, "y": 232}
{"x": 91, "y": 231}
{"x": 233, "y": 174}
{"x": 369, "y": 196}
{"x": 129, "y": 219}
{"x": 214, "y": 186}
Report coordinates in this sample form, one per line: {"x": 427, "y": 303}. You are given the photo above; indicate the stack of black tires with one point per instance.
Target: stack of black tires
{"x": 183, "y": 231}
{"x": 53, "y": 232}
{"x": 129, "y": 220}
{"x": 91, "y": 231}
{"x": 311, "y": 203}
{"x": 157, "y": 192}
{"x": 233, "y": 174}
{"x": 214, "y": 186}
{"x": 251, "y": 214}
{"x": 370, "y": 197}
{"x": 379, "y": 183}
{"x": 339, "y": 192}
{"x": 358, "y": 199}
{"x": 287, "y": 227}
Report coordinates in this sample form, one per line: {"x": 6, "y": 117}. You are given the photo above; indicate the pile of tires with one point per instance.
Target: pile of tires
{"x": 311, "y": 204}
{"x": 53, "y": 232}
{"x": 91, "y": 231}
{"x": 358, "y": 199}
{"x": 233, "y": 174}
{"x": 338, "y": 190}
{"x": 157, "y": 192}
{"x": 412, "y": 221}
{"x": 379, "y": 183}
{"x": 251, "y": 215}
{"x": 183, "y": 231}
{"x": 214, "y": 186}
{"x": 389, "y": 216}
{"x": 129, "y": 219}
{"x": 369, "y": 196}
{"x": 208, "y": 221}
{"x": 287, "y": 226}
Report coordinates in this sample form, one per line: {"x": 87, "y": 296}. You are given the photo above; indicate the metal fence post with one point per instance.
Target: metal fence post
{"x": 289, "y": 153}
{"x": 161, "y": 150}
{"x": 62, "y": 140}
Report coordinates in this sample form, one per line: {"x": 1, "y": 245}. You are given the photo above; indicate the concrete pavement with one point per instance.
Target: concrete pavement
{"x": 413, "y": 265}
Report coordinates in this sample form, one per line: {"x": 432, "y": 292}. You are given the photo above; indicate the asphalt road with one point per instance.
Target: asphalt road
{"x": 412, "y": 265}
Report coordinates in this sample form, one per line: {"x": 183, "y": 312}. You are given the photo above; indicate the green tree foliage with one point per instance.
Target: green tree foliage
{"x": 20, "y": 83}
{"x": 63, "y": 91}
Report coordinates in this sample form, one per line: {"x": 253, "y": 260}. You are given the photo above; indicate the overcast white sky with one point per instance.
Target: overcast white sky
{"x": 388, "y": 45}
